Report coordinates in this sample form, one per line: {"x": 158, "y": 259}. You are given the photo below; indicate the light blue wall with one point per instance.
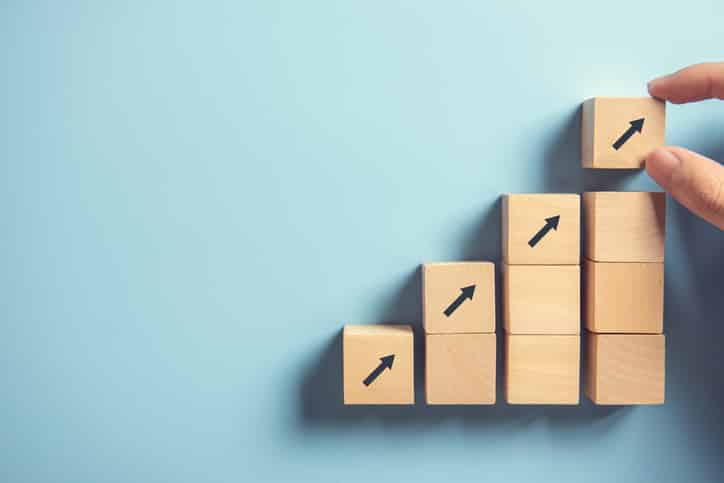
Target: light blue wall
{"x": 196, "y": 196}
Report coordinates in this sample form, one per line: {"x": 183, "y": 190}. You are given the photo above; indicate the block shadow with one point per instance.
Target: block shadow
{"x": 561, "y": 167}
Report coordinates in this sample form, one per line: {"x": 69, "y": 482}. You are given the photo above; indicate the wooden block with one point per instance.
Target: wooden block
{"x": 542, "y": 369}
{"x": 624, "y": 297}
{"x": 541, "y": 229}
{"x": 378, "y": 364}
{"x": 458, "y": 297}
{"x": 542, "y": 299}
{"x": 620, "y": 132}
{"x": 625, "y": 368}
{"x": 460, "y": 368}
{"x": 624, "y": 226}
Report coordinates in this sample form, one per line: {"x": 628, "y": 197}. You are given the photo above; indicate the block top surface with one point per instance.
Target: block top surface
{"x": 541, "y": 229}
{"x": 434, "y": 265}
{"x": 378, "y": 329}
{"x": 624, "y": 226}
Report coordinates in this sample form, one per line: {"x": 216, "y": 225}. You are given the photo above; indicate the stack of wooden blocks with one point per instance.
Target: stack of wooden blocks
{"x": 624, "y": 250}
{"x": 623, "y": 289}
{"x": 541, "y": 298}
{"x": 459, "y": 322}
{"x": 624, "y": 297}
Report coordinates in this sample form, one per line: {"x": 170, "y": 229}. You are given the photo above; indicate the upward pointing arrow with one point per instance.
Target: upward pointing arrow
{"x": 551, "y": 222}
{"x": 385, "y": 363}
{"x": 467, "y": 293}
{"x": 637, "y": 125}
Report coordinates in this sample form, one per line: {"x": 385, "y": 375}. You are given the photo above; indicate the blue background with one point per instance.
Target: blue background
{"x": 197, "y": 196}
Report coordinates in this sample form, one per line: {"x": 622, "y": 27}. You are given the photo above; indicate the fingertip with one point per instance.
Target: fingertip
{"x": 657, "y": 87}
{"x": 661, "y": 164}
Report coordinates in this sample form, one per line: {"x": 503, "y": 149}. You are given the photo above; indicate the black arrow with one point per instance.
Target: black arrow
{"x": 637, "y": 125}
{"x": 385, "y": 363}
{"x": 551, "y": 222}
{"x": 467, "y": 293}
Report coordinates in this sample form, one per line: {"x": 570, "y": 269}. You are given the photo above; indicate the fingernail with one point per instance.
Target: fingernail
{"x": 653, "y": 84}
{"x": 661, "y": 165}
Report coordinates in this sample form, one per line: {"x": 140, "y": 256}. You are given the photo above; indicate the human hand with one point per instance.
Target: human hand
{"x": 695, "y": 181}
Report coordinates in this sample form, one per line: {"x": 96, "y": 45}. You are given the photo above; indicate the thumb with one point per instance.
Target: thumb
{"x": 693, "y": 180}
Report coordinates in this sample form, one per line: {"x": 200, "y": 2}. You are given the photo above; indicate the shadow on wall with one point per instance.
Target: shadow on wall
{"x": 693, "y": 323}
{"x": 561, "y": 164}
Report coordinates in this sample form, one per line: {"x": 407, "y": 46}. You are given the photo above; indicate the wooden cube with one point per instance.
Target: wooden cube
{"x": 378, "y": 364}
{"x": 541, "y": 229}
{"x": 624, "y": 226}
{"x": 542, "y": 369}
{"x": 460, "y": 368}
{"x": 621, "y": 132}
{"x": 624, "y": 297}
{"x": 625, "y": 368}
{"x": 542, "y": 299}
{"x": 458, "y": 297}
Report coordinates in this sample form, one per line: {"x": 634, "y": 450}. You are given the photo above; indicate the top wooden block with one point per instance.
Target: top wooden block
{"x": 541, "y": 229}
{"x": 619, "y": 132}
{"x": 624, "y": 226}
{"x": 458, "y": 297}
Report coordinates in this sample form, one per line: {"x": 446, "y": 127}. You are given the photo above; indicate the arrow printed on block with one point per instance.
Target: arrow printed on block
{"x": 551, "y": 223}
{"x": 385, "y": 363}
{"x": 466, "y": 294}
{"x": 637, "y": 125}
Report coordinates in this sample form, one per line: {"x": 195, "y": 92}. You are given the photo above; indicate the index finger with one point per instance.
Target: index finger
{"x": 691, "y": 84}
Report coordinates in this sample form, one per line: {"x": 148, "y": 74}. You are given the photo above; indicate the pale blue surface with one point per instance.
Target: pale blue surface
{"x": 196, "y": 197}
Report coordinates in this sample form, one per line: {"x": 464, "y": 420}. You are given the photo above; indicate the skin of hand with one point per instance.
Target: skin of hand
{"x": 695, "y": 181}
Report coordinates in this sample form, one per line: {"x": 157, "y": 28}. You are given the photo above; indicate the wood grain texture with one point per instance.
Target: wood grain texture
{"x": 624, "y": 297}
{"x": 542, "y": 369}
{"x": 523, "y": 215}
{"x": 542, "y": 299}
{"x": 605, "y": 119}
{"x": 624, "y": 226}
{"x": 460, "y": 368}
{"x": 623, "y": 369}
{"x": 441, "y": 286}
{"x": 362, "y": 348}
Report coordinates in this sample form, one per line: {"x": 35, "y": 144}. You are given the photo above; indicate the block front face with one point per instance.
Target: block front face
{"x": 542, "y": 299}
{"x": 458, "y": 297}
{"x": 542, "y": 369}
{"x": 541, "y": 229}
{"x": 621, "y": 132}
{"x": 626, "y": 368}
{"x": 624, "y": 297}
{"x": 624, "y": 226}
{"x": 378, "y": 364}
{"x": 460, "y": 368}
